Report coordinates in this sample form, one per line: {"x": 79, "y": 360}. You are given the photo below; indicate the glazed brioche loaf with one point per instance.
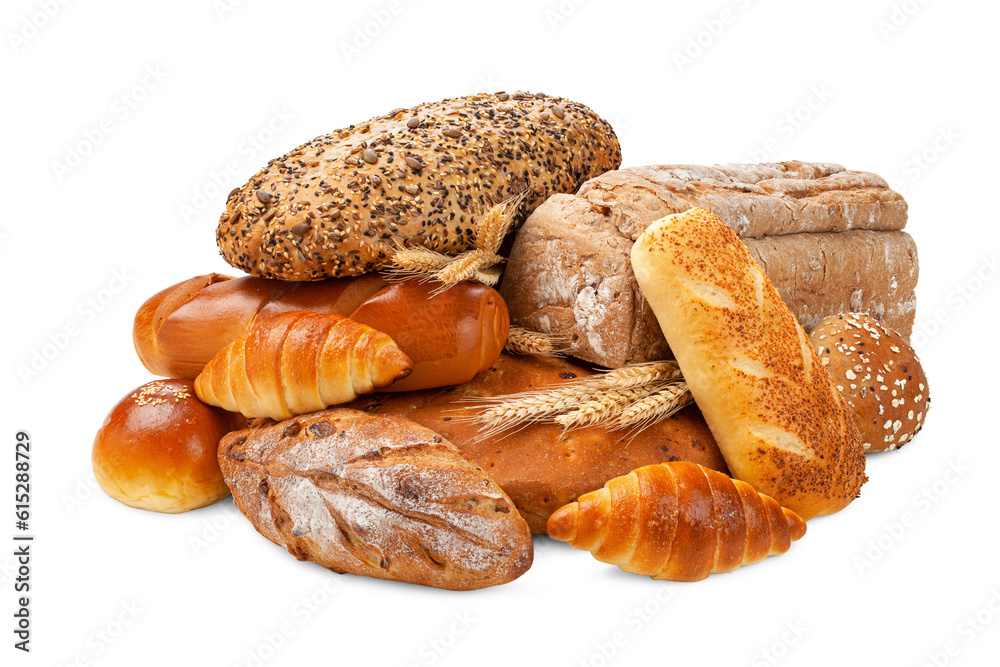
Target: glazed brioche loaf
{"x": 449, "y": 337}
{"x": 339, "y": 204}
{"x": 826, "y": 237}
{"x": 542, "y": 466}
{"x": 774, "y": 411}
{"x": 376, "y": 496}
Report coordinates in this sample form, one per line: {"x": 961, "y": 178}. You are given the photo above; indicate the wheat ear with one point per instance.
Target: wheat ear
{"x": 523, "y": 341}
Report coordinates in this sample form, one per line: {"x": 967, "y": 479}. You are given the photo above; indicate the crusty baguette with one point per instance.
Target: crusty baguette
{"x": 778, "y": 418}
{"x": 827, "y": 238}
{"x": 449, "y": 337}
{"x": 339, "y": 204}
{"x": 677, "y": 521}
{"x": 377, "y": 496}
{"x": 542, "y": 466}
{"x": 300, "y": 362}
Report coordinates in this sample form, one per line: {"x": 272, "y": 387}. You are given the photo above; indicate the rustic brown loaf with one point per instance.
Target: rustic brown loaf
{"x": 300, "y": 362}
{"x": 377, "y": 496}
{"x": 339, "y": 204}
{"x": 879, "y": 375}
{"x": 541, "y": 466}
{"x": 777, "y": 417}
{"x": 449, "y": 337}
{"x": 827, "y": 238}
{"x": 677, "y": 521}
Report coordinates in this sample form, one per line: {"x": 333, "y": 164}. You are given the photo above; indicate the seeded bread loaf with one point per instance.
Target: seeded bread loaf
{"x": 541, "y": 466}
{"x": 827, "y": 238}
{"x": 377, "y": 496}
{"x": 339, "y": 204}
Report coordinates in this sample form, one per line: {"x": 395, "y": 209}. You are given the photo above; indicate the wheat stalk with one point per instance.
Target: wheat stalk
{"x": 602, "y": 409}
{"x": 633, "y": 396}
{"x": 523, "y": 341}
{"x": 656, "y": 406}
{"x": 476, "y": 264}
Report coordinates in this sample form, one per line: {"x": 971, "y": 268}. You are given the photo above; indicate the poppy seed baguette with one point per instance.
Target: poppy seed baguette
{"x": 338, "y": 205}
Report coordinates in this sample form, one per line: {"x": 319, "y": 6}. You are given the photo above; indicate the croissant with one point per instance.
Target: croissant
{"x": 300, "y": 362}
{"x": 679, "y": 521}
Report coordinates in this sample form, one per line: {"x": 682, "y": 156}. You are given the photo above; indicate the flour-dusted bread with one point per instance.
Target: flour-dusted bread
{"x": 378, "y": 496}
{"x": 829, "y": 239}
{"x": 776, "y": 415}
{"x": 339, "y": 204}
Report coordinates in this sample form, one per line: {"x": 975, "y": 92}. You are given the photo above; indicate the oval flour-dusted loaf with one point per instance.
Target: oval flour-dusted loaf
{"x": 339, "y": 204}
{"x": 378, "y": 496}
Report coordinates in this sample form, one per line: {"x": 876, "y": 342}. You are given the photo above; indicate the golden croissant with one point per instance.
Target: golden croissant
{"x": 300, "y": 362}
{"x": 679, "y": 521}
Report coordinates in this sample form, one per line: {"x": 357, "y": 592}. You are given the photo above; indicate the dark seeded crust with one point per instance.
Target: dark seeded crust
{"x": 879, "y": 375}
{"x": 378, "y": 496}
{"x": 338, "y": 205}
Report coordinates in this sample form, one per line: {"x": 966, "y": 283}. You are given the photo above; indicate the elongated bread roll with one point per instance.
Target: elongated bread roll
{"x": 779, "y": 421}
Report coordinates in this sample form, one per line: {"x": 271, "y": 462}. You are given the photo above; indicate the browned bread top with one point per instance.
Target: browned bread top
{"x": 753, "y": 199}
{"x": 378, "y": 496}
{"x": 541, "y": 466}
{"x": 338, "y": 205}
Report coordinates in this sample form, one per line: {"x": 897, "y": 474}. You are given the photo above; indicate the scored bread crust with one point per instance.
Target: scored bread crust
{"x": 776, "y": 415}
{"x": 377, "y": 496}
{"x": 340, "y": 204}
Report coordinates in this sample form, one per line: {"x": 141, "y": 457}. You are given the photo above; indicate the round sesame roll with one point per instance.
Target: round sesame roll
{"x": 340, "y": 204}
{"x": 879, "y": 375}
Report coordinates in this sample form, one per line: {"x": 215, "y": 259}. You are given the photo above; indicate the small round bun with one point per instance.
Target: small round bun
{"x": 157, "y": 449}
{"x": 878, "y": 373}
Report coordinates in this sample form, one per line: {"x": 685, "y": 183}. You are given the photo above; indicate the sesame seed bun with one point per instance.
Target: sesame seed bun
{"x": 157, "y": 449}
{"x": 879, "y": 375}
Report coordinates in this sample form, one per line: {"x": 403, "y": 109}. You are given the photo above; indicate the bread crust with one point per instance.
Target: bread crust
{"x": 827, "y": 238}
{"x": 778, "y": 418}
{"x": 541, "y": 466}
{"x": 378, "y": 496}
{"x": 338, "y": 205}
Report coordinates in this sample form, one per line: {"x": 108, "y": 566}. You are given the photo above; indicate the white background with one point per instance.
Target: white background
{"x": 213, "y": 90}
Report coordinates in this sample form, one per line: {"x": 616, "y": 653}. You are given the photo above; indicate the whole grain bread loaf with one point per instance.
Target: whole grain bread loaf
{"x": 829, "y": 239}
{"x": 541, "y": 466}
{"x": 338, "y": 205}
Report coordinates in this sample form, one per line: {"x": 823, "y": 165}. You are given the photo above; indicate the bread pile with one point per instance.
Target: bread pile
{"x": 401, "y": 428}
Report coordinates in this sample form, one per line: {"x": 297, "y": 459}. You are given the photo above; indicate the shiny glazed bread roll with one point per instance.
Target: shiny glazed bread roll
{"x": 449, "y": 337}
{"x": 156, "y": 449}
